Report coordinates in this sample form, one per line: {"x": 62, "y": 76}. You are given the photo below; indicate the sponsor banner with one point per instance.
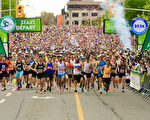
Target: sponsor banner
{"x": 135, "y": 81}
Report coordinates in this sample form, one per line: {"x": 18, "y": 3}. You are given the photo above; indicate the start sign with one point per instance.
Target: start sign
{"x": 28, "y": 25}
{"x": 139, "y": 26}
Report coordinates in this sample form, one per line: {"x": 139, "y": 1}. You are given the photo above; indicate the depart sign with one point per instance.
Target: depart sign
{"x": 28, "y": 25}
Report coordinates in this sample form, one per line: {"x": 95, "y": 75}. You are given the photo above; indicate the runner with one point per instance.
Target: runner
{"x": 19, "y": 65}
{"x": 61, "y": 73}
{"x": 106, "y": 75}
{"x": 3, "y": 73}
{"x": 49, "y": 73}
{"x": 40, "y": 67}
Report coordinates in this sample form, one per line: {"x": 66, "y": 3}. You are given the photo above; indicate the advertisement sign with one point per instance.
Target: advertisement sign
{"x": 28, "y": 25}
{"x": 139, "y": 26}
{"x": 7, "y": 24}
{"x": 135, "y": 81}
{"x": 146, "y": 44}
{"x": 4, "y": 42}
{"x": 109, "y": 26}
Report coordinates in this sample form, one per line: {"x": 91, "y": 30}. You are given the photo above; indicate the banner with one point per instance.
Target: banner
{"x": 109, "y": 27}
{"x": 135, "y": 81}
{"x": 146, "y": 44}
{"x": 28, "y": 25}
{"x": 4, "y": 42}
{"x": 2, "y": 51}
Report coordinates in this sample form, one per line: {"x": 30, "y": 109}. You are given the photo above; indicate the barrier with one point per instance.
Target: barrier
{"x": 141, "y": 83}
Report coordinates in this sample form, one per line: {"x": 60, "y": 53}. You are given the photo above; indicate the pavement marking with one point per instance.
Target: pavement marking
{"x": 79, "y": 108}
{"x": 36, "y": 97}
{"x": 8, "y": 94}
{"x": 13, "y": 89}
{"x": 3, "y": 100}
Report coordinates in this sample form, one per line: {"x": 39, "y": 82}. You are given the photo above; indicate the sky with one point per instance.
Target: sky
{"x": 33, "y": 8}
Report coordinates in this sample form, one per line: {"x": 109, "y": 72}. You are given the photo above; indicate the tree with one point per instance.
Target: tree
{"x": 48, "y": 18}
{"x": 5, "y": 6}
{"x": 137, "y": 4}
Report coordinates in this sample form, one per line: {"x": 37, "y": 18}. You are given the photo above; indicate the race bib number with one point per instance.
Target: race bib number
{"x": 122, "y": 70}
{"x": 19, "y": 69}
{"x": 87, "y": 71}
{"x": 49, "y": 67}
{"x": 61, "y": 69}
{"x": 40, "y": 70}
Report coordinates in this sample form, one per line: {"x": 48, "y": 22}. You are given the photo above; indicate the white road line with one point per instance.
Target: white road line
{"x": 8, "y": 94}
{"x": 13, "y": 89}
{"x": 3, "y": 100}
{"x": 36, "y": 97}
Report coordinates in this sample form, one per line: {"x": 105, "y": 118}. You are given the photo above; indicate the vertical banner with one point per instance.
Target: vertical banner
{"x": 146, "y": 44}
{"x": 4, "y": 40}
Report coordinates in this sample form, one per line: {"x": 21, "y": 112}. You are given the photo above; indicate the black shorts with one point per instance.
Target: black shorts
{"x": 7, "y": 75}
{"x": 1, "y": 76}
{"x": 12, "y": 72}
{"x": 33, "y": 74}
{"x": 121, "y": 75}
{"x": 49, "y": 75}
{"x": 26, "y": 72}
{"x": 54, "y": 71}
{"x": 113, "y": 74}
{"x": 69, "y": 75}
{"x": 77, "y": 78}
{"x": 40, "y": 75}
{"x": 88, "y": 75}
{"x": 106, "y": 80}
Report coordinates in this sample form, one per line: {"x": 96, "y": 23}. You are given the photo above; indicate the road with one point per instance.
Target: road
{"x": 28, "y": 105}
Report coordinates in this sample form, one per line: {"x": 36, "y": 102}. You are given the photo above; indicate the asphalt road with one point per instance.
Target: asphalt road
{"x": 28, "y": 105}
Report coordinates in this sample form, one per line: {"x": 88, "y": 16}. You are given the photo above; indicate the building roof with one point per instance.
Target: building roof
{"x": 83, "y": 2}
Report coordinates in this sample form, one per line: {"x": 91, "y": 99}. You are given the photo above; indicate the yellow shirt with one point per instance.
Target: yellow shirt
{"x": 107, "y": 71}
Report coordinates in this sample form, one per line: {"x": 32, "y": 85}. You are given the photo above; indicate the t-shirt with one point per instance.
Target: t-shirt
{"x": 3, "y": 67}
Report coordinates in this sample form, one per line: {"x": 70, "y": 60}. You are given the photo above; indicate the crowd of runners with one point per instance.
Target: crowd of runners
{"x": 67, "y": 57}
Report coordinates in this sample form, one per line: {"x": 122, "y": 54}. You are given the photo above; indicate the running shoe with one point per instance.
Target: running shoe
{"x": 79, "y": 85}
{"x": 114, "y": 89}
{"x": 36, "y": 90}
{"x": 17, "y": 88}
{"x": 44, "y": 89}
{"x": 2, "y": 89}
{"x": 100, "y": 91}
{"x": 104, "y": 88}
{"x": 82, "y": 90}
{"x": 85, "y": 90}
{"x": 106, "y": 93}
{"x": 40, "y": 92}
{"x": 75, "y": 91}
{"x": 49, "y": 89}
{"x": 123, "y": 90}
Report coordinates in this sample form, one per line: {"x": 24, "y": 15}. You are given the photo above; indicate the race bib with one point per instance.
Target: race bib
{"x": 19, "y": 69}
{"x": 122, "y": 70}
{"x": 61, "y": 69}
{"x": 40, "y": 70}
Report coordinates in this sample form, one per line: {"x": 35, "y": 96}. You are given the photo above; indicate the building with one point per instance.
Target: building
{"x": 79, "y": 11}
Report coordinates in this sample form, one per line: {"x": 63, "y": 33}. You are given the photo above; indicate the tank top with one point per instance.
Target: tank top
{"x": 122, "y": 69}
{"x": 69, "y": 68}
{"x": 40, "y": 67}
{"x": 61, "y": 68}
{"x": 87, "y": 67}
{"x": 76, "y": 70}
{"x": 27, "y": 67}
{"x": 48, "y": 70}
{"x": 107, "y": 72}
{"x": 19, "y": 66}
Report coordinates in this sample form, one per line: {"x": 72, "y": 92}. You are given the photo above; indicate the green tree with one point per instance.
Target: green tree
{"x": 137, "y": 4}
{"x": 5, "y": 6}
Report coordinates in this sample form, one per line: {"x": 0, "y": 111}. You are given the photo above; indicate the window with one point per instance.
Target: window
{"x": 75, "y": 23}
{"x": 83, "y": 21}
{"x": 75, "y": 14}
{"x": 94, "y": 14}
{"x": 67, "y": 14}
{"x": 84, "y": 14}
{"x": 67, "y": 23}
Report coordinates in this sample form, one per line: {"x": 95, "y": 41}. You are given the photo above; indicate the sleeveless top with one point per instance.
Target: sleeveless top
{"x": 48, "y": 70}
{"x": 61, "y": 68}
{"x": 107, "y": 72}
{"x": 19, "y": 66}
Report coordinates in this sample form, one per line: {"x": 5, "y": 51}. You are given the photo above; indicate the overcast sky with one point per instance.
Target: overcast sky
{"x": 34, "y": 7}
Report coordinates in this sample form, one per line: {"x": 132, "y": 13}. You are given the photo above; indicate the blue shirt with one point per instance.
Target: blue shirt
{"x": 48, "y": 68}
{"x": 3, "y": 67}
{"x": 101, "y": 64}
{"x": 31, "y": 61}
